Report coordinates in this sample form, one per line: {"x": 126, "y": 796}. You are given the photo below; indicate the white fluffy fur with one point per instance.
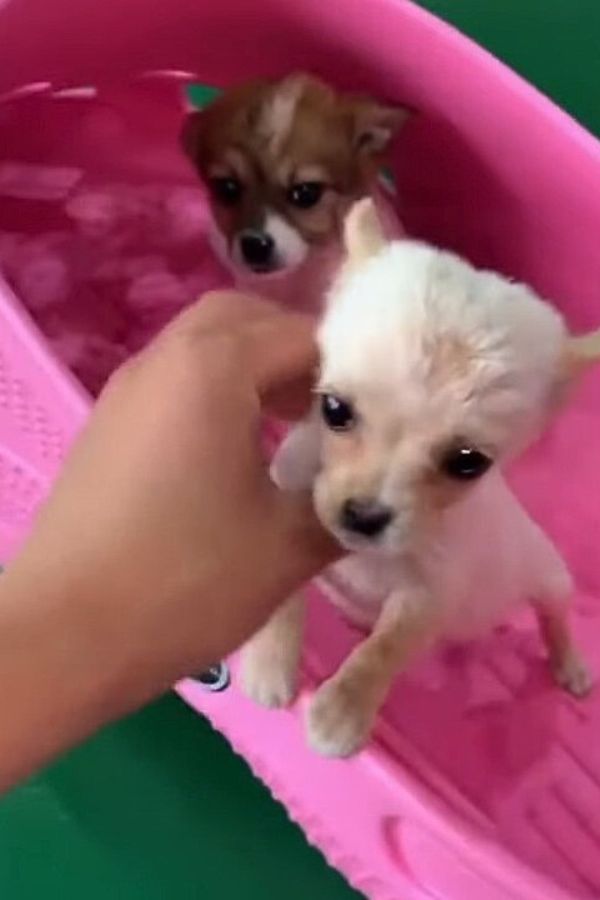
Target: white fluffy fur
{"x": 382, "y": 321}
{"x": 429, "y": 351}
{"x": 278, "y": 115}
{"x": 482, "y": 553}
{"x": 291, "y": 248}
{"x": 389, "y": 324}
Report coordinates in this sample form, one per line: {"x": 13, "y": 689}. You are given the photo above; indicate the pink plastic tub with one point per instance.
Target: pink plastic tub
{"x": 483, "y": 781}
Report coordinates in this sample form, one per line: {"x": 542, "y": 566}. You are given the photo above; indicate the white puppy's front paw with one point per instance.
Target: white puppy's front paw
{"x": 296, "y": 461}
{"x": 339, "y": 720}
{"x": 268, "y": 679}
{"x": 573, "y": 675}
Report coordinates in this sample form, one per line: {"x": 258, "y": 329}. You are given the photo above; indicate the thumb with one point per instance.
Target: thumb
{"x": 279, "y": 351}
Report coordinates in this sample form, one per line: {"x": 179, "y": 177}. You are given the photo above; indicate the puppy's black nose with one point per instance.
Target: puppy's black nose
{"x": 258, "y": 249}
{"x": 365, "y": 517}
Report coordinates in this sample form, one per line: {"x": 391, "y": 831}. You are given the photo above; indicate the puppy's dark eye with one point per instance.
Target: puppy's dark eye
{"x": 305, "y": 194}
{"x": 337, "y": 414}
{"x": 226, "y": 190}
{"x": 465, "y": 463}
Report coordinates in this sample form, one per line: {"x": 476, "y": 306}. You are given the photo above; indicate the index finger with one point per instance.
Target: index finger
{"x": 222, "y": 310}
{"x": 281, "y": 354}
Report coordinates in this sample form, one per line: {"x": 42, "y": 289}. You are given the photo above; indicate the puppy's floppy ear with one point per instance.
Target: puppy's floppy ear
{"x": 375, "y": 125}
{"x": 363, "y": 234}
{"x": 190, "y": 134}
{"x": 580, "y": 353}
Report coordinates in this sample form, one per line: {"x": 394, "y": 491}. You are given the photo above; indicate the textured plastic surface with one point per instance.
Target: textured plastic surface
{"x": 483, "y": 781}
{"x": 41, "y": 409}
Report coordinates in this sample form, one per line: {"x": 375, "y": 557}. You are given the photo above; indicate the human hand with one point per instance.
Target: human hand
{"x": 164, "y": 544}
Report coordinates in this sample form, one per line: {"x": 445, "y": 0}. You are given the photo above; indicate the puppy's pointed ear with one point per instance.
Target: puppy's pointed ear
{"x": 580, "y": 353}
{"x": 363, "y": 233}
{"x": 375, "y": 125}
{"x": 190, "y": 135}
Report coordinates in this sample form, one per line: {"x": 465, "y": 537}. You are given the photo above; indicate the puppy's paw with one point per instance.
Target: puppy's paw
{"x": 573, "y": 675}
{"x": 339, "y": 720}
{"x": 268, "y": 678}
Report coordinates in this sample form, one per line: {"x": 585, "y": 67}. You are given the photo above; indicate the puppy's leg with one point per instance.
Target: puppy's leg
{"x": 568, "y": 667}
{"x": 566, "y": 663}
{"x": 343, "y": 710}
{"x": 270, "y": 660}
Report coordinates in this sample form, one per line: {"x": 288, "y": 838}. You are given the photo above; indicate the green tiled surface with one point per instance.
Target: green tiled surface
{"x": 157, "y": 807}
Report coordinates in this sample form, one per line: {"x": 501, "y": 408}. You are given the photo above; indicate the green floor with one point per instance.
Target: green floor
{"x": 158, "y": 807}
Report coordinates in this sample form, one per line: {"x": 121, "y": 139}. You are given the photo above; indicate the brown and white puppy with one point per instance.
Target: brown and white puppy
{"x": 283, "y": 161}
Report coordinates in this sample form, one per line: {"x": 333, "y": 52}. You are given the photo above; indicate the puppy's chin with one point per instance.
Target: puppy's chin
{"x": 388, "y": 545}
{"x": 242, "y": 270}
{"x": 354, "y": 543}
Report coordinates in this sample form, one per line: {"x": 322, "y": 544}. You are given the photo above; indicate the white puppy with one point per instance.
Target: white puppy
{"x": 432, "y": 376}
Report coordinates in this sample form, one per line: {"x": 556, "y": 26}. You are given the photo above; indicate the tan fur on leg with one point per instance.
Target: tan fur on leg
{"x": 341, "y": 715}
{"x": 568, "y": 668}
{"x": 270, "y": 660}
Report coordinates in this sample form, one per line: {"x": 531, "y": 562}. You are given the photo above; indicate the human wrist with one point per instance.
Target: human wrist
{"x": 66, "y": 676}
